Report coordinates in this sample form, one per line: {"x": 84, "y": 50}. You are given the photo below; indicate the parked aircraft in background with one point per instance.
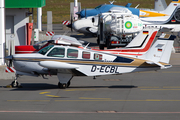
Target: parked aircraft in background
{"x": 68, "y": 61}
{"x": 170, "y": 21}
{"x": 106, "y": 7}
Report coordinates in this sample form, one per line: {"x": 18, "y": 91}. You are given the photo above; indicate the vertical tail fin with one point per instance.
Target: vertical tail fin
{"x": 161, "y": 49}
{"x": 160, "y": 5}
{"x": 171, "y": 7}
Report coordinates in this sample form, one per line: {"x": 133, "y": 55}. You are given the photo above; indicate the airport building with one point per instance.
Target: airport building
{"x": 17, "y": 14}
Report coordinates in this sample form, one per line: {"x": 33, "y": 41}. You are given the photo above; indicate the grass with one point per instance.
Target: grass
{"x": 61, "y": 8}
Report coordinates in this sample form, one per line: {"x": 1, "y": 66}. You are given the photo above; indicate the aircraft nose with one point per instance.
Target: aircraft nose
{"x": 75, "y": 25}
{"x": 9, "y": 57}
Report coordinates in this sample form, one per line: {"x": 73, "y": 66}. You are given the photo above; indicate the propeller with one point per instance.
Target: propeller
{"x": 85, "y": 14}
{"x": 71, "y": 22}
{"x": 10, "y": 59}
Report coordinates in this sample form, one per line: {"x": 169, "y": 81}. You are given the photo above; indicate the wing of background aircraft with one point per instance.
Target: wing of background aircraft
{"x": 66, "y": 40}
{"x": 104, "y": 8}
{"x": 160, "y": 5}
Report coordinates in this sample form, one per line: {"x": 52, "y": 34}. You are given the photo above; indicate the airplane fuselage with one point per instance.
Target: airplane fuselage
{"x": 79, "y": 62}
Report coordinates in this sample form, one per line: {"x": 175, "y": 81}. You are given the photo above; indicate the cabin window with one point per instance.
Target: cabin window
{"x": 86, "y": 55}
{"x": 57, "y": 52}
{"x": 72, "y": 53}
{"x": 97, "y": 56}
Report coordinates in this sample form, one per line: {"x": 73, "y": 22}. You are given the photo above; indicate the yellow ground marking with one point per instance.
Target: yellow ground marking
{"x": 171, "y": 87}
{"x": 106, "y": 100}
{"x": 95, "y": 98}
{"x": 43, "y": 92}
{"x": 100, "y": 100}
{"x": 48, "y": 95}
{"x": 80, "y": 90}
{"x": 162, "y": 72}
{"x": 147, "y": 87}
{"x": 52, "y": 96}
{"x": 147, "y": 72}
{"x": 171, "y": 72}
{"x": 160, "y": 89}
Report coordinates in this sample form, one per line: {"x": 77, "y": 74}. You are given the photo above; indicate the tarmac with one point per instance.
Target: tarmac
{"x": 138, "y": 96}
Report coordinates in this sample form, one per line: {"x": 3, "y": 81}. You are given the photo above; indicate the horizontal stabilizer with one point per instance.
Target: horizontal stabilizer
{"x": 158, "y": 64}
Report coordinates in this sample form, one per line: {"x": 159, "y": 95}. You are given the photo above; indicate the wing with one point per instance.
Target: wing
{"x": 57, "y": 65}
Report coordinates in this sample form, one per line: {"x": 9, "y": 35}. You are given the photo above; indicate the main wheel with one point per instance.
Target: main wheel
{"x": 101, "y": 47}
{"x": 62, "y": 85}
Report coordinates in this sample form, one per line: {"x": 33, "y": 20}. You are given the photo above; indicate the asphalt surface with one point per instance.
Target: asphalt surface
{"x": 138, "y": 96}
{"x": 135, "y": 96}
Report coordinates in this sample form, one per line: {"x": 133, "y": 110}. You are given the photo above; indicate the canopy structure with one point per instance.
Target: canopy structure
{"x": 24, "y": 3}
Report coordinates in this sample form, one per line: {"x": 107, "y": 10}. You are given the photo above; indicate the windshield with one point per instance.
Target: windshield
{"x": 99, "y": 6}
{"x": 45, "y": 50}
{"x": 39, "y": 45}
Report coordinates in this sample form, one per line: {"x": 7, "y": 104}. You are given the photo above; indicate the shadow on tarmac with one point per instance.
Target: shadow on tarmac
{"x": 44, "y": 86}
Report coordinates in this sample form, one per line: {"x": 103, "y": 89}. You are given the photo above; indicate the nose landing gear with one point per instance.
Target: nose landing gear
{"x": 15, "y": 82}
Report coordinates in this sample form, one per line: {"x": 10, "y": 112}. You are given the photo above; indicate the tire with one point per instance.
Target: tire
{"x": 14, "y": 84}
{"x": 101, "y": 47}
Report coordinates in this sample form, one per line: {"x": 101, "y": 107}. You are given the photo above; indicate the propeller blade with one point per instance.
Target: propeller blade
{"x": 71, "y": 22}
{"x": 10, "y": 59}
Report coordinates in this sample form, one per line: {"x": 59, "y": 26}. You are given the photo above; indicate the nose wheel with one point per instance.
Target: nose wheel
{"x": 14, "y": 83}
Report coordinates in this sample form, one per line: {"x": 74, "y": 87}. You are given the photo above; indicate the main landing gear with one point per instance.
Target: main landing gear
{"x": 64, "y": 85}
{"x": 64, "y": 80}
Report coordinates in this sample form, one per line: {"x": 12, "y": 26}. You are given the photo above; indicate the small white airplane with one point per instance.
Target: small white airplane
{"x": 168, "y": 19}
{"x": 69, "y": 61}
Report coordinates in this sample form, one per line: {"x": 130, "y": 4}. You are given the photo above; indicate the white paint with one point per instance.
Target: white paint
{"x": 2, "y": 31}
{"x": 39, "y": 18}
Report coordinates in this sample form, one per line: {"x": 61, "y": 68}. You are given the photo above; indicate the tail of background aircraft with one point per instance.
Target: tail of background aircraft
{"x": 160, "y": 5}
{"x": 171, "y": 7}
{"x": 161, "y": 50}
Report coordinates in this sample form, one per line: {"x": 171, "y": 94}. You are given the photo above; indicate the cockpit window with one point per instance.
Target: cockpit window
{"x": 45, "y": 50}
{"x": 38, "y": 45}
{"x": 72, "y": 53}
{"x": 99, "y": 6}
{"x": 57, "y": 52}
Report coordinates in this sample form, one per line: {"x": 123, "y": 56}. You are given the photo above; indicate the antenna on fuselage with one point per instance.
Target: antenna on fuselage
{"x": 111, "y": 2}
{"x": 137, "y": 6}
{"x": 86, "y": 46}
